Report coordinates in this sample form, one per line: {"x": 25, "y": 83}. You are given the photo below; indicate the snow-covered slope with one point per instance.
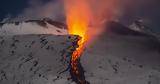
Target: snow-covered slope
{"x": 139, "y": 26}
{"x": 44, "y": 26}
{"x": 122, "y": 56}
{"x": 36, "y": 59}
{"x": 31, "y": 54}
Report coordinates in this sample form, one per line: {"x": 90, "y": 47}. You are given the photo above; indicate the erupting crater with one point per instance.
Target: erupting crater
{"x": 78, "y": 15}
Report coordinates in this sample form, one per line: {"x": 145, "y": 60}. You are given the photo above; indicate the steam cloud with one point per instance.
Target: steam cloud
{"x": 140, "y": 9}
{"x": 127, "y": 10}
{"x": 40, "y": 9}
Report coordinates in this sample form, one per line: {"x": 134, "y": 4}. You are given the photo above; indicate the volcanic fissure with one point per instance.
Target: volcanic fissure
{"x": 78, "y": 16}
{"x": 76, "y": 70}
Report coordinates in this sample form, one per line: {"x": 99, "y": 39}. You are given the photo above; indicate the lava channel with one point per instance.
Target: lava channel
{"x": 76, "y": 70}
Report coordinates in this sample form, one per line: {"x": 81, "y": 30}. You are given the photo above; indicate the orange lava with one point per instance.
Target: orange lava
{"x": 86, "y": 18}
{"x": 78, "y": 17}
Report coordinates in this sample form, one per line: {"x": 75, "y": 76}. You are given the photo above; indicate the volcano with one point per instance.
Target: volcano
{"x": 40, "y": 52}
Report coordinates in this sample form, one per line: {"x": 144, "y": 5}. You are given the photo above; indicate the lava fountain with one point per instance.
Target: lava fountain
{"x": 78, "y": 18}
{"x": 86, "y": 19}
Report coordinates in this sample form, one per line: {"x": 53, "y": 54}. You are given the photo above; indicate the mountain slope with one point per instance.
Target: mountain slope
{"x": 33, "y": 52}
{"x": 122, "y": 56}
{"x": 44, "y": 26}
{"x": 36, "y": 59}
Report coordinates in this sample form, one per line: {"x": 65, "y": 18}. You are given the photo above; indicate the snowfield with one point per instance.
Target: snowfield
{"x": 117, "y": 57}
{"x": 35, "y": 52}
{"x": 39, "y": 52}
{"x": 44, "y": 26}
{"x": 35, "y": 59}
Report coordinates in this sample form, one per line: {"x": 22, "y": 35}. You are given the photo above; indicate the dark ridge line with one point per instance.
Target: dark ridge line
{"x": 42, "y": 22}
{"x": 120, "y": 29}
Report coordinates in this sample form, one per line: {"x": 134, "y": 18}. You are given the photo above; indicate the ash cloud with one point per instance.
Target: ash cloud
{"x": 120, "y": 10}
{"x": 127, "y": 11}
{"x": 41, "y": 8}
{"x": 147, "y": 10}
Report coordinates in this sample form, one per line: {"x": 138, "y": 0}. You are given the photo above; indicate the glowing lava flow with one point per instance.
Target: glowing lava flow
{"x": 78, "y": 18}
{"x": 78, "y": 27}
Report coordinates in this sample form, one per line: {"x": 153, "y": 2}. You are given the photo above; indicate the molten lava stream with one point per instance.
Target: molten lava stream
{"x": 76, "y": 68}
{"x": 78, "y": 16}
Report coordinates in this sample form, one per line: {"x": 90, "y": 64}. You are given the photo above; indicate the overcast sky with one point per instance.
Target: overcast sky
{"x": 148, "y": 10}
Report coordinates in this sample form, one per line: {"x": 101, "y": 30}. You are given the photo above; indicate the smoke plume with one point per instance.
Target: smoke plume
{"x": 38, "y": 9}
{"x": 120, "y": 10}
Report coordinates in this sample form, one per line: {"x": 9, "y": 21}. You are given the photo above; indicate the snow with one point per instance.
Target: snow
{"x": 136, "y": 28}
{"x": 24, "y": 27}
{"x": 122, "y": 59}
{"x": 31, "y": 53}
{"x": 35, "y": 59}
